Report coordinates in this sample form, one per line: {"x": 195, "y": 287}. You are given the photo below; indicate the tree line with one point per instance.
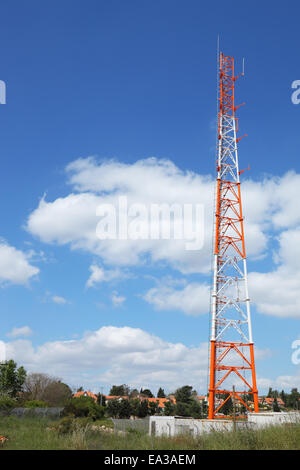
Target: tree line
{"x": 290, "y": 400}
{"x": 125, "y": 391}
{"x": 35, "y": 389}
{"x": 186, "y": 403}
{"x": 17, "y": 388}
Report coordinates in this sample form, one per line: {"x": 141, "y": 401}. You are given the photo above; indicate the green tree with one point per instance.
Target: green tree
{"x": 101, "y": 399}
{"x": 146, "y": 393}
{"x": 80, "y": 407}
{"x": 169, "y": 409}
{"x": 283, "y": 397}
{"x": 204, "y": 409}
{"x": 276, "y": 406}
{"x": 182, "y": 409}
{"x": 195, "y": 410}
{"x": 242, "y": 407}
{"x": 184, "y": 394}
{"x": 135, "y": 406}
{"x": 120, "y": 390}
{"x": 143, "y": 409}
{"x": 153, "y": 408}
{"x": 11, "y": 379}
{"x": 7, "y": 404}
{"x": 119, "y": 408}
{"x": 293, "y": 399}
{"x": 227, "y": 408}
{"x": 161, "y": 393}
{"x": 184, "y": 400}
{"x": 113, "y": 408}
{"x": 272, "y": 393}
{"x": 124, "y": 409}
{"x": 134, "y": 393}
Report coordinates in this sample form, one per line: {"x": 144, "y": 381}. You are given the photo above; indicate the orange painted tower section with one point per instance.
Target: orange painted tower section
{"x": 231, "y": 342}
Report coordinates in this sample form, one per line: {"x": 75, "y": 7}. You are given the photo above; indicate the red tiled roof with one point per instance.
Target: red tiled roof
{"x": 85, "y": 394}
{"x": 115, "y": 397}
{"x": 270, "y": 401}
{"x": 160, "y": 401}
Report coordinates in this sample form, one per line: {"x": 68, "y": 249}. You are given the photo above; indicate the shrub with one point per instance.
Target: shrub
{"x": 35, "y": 404}
{"x": 82, "y": 422}
{"x": 81, "y": 407}
{"x": 64, "y": 425}
{"x": 69, "y": 424}
{"x": 124, "y": 408}
{"x": 7, "y": 404}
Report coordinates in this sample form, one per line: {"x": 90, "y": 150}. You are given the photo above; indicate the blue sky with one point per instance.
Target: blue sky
{"x": 129, "y": 81}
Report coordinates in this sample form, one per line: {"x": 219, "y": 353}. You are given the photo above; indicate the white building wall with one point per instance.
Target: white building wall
{"x": 173, "y": 426}
{"x": 262, "y": 420}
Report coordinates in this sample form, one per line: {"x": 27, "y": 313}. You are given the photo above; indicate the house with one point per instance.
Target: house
{"x": 267, "y": 401}
{"x": 172, "y": 398}
{"x": 202, "y": 399}
{"x": 116, "y": 397}
{"x": 160, "y": 401}
{"x": 85, "y": 394}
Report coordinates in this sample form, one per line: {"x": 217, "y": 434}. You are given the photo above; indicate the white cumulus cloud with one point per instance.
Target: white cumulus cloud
{"x": 276, "y": 292}
{"x": 118, "y": 355}
{"x": 15, "y": 267}
{"x": 270, "y": 206}
{"x": 72, "y": 219}
{"x": 192, "y": 299}
{"x": 113, "y": 355}
{"x": 117, "y": 299}
{"x": 22, "y": 331}
{"x": 99, "y": 274}
{"x": 59, "y": 300}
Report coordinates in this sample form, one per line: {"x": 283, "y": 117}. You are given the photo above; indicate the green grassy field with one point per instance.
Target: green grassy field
{"x": 43, "y": 434}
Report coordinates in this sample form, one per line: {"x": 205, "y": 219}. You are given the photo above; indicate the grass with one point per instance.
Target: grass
{"x": 42, "y": 434}
{"x": 107, "y": 422}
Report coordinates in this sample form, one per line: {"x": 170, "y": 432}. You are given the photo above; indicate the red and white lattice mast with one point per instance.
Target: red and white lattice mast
{"x": 231, "y": 341}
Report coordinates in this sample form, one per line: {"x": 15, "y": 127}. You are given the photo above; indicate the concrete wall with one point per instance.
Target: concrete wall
{"x": 262, "y": 420}
{"x": 173, "y": 425}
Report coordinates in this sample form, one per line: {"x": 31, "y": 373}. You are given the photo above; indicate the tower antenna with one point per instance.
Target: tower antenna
{"x": 231, "y": 341}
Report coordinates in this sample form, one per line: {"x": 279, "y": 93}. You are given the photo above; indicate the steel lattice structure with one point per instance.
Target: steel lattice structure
{"x": 231, "y": 341}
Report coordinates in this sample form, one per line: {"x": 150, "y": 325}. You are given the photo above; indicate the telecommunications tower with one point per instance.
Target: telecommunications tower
{"x": 232, "y": 366}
